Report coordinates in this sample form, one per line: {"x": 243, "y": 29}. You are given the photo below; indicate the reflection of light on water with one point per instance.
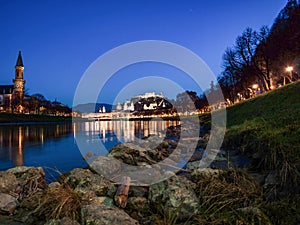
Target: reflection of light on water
{"x": 124, "y": 131}
{"x": 42, "y": 135}
{"x": 20, "y": 138}
{"x": 18, "y": 155}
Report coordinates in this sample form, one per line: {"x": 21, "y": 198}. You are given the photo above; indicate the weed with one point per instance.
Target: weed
{"x": 228, "y": 198}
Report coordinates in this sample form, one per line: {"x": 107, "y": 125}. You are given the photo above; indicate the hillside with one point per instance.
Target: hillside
{"x": 268, "y": 129}
{"x": 268, "y": 125}
{"x": 279, "y": 107}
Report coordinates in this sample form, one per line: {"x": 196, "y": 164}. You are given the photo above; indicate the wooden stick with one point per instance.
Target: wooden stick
{"x": 122, "y": 192}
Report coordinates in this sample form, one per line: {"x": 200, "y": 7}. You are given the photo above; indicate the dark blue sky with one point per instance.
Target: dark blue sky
{"x": 60, "y": 39}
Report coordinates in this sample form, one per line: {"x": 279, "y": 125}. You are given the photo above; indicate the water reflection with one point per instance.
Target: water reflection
{"x": 54, "y": 146}
{"x": 124, "y": 131}
{"x": 98, "y": 137}
{"x": 14, "y": 139}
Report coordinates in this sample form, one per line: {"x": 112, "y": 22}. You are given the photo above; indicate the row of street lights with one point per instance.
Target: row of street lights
{"x": 254, "y": 89}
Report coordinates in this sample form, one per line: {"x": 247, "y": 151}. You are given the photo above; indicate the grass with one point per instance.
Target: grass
{"x": 269, "y": 127}
{"x": 54, "y": 202}
{"x": 230, "y": 198}
{"x": 284, "y": 211}
{"x": 59, "y": 202}
{"x": 277, "y": 107}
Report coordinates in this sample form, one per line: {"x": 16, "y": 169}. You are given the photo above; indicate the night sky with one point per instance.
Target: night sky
{"x": 60, "y": 39}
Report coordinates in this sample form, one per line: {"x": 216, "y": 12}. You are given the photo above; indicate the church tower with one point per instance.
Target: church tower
{"x": 19, "y": 82}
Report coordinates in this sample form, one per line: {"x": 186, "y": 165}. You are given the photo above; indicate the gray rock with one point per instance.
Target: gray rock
{"x": 8, "y": 203}
{"x": 21, "y": 170}
{"x": 138, "y": 208}
{"x": 104, "y": 201}
{"x": 136, "y": 191}
{"x": 101, "y": 215}
{"x": 54, "y": 184}
{"x": 197, "y": 174}
{"x": 8, "y": 183}
{"x": 143, "y": 175}
{"x": 64, "y": 221}
{"x": 193, "y": 165}
{"x": 83, "y": 181}
{"x": 175, "y": 194}
{"x": 106, "y": 166}
{"x": 29, "y": 176}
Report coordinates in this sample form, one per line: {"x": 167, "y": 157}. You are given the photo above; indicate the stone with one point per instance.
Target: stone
{"x": 29, "y": 176}
{"x": 197, "y": 174}
{"x": 138, "y": 207}
{"x": 94, "y": 214}
{"x": 105, "y": 201}
{"x": 8, "y": 203}
{"x": 193, "y": 165}
{"x": 106, "y": 166}
{"x": 83, "y": 181}
{"x": 54, "y": 184}
{"x": 63, "y": 221}
{"x": 175, "y": 194}
{"x": 8, "y": 183}
{"x": 137, "y": 191}
{"x": 142, "y": 175}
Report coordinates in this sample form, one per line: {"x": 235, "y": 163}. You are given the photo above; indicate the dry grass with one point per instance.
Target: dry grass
{"x": 59, "y": 202}
{"x": 228, "y": 198}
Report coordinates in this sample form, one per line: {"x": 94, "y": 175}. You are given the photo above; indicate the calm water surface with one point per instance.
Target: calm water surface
{"x": 54, "y": 147}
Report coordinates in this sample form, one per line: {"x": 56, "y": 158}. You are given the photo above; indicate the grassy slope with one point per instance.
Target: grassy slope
{"x": 279, "y": 107}
{"x": 268, "y": 127}
{"x": 268, "y": 124}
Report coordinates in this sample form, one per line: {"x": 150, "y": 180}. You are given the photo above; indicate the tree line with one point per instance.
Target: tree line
{"x": 258, "y": 61}
{"x": 268, "y": 58}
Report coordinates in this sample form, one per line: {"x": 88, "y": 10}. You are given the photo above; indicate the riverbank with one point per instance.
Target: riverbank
{"x": 9, "y": 118}
{"x": 85, "y": 197}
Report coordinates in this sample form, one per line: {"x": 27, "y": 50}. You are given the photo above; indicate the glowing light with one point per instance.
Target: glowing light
{"x": 255, "y": 86}
{"x": 289, "y": 69}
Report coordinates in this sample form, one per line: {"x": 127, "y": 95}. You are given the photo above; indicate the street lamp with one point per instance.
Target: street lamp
{"x": 254, "y": 89}
{"x": 288, "y": 69}
{"x": 255, "y": 86}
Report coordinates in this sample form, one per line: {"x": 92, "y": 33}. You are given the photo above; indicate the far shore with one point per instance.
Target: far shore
{"x": 10, "y": 118}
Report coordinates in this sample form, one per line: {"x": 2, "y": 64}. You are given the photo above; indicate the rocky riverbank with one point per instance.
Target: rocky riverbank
{"x": 217, "y": 195}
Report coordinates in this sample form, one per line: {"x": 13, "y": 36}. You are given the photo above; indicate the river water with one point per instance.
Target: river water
{"x": 54, "y": 146}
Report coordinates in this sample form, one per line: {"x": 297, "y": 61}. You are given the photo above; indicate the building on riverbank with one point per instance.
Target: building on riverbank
{"x": 12, "y": 96}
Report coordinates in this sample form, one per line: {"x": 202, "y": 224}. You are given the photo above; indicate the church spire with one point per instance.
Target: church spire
{"x": 19, "y": 60}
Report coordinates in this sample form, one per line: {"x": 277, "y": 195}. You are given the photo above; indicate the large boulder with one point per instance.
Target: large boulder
{"x": 8, "y": 183}
{"x": 131, "y": 153}
{"x": 106, "y": 166}
{"x": 84, "y": 181}
{"x": 8, "y": 203}
{"x": 94, "y": 214}
{"x": 138, "y": 208}
{"x": 29, "y": 178}
{"x": 175, "y": 194}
